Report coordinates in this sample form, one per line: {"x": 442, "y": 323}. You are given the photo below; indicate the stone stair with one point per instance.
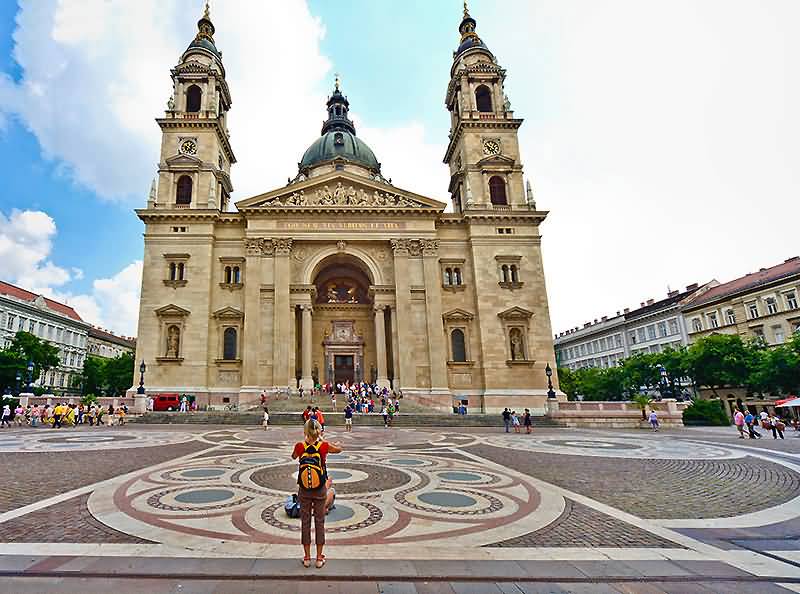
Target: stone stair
{"x": 331, "y": 419}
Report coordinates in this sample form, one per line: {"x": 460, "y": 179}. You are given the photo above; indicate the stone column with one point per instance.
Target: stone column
{"x": 252, "y": 314}
{"x": 395, "y": 358}
{"x": 307, "y": 382}
{"x": 380, "y": 345}
{"x": 282, "y": 375}
{"x": 405, "y": 369}
{"x": 437, "y": 349}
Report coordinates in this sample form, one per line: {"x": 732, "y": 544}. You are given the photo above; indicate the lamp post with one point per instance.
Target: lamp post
{"x": 664, "y": 381}
{"x": 19, "y": 378}
{"x": 142, "y": 369}
{"x": 30, "y": 376}
{"x": 549, "y": 372}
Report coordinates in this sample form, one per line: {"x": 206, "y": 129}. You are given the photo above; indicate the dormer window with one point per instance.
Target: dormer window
{"x": 338, "y": 139}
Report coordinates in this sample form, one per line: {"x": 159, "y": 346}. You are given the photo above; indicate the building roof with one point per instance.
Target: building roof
{"x": 674, "y": 298}
{"x": 101, "y": 334}
{"x": 23, "y": 295}
{"x": 751, "y": 281}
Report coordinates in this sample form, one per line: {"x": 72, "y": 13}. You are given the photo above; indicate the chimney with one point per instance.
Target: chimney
{"x": 650, "y": 302}
{"x": 692, "y": 287}
{"x": 617, "y": 312}
{"x": 672, "y": 293}
{"x": 595, "y": 320}
{"x": 587, "y": 324}
{"x": 604, "y": 318}
{"x": 626, "y": 310}
{"x": 792, "y": 259}
{"x": 762, "y": 269}
{"x": 641, "y": 304}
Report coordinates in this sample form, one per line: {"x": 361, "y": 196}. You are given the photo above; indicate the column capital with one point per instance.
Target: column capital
{"x": 283, "y": 246}
{"x": 307, "y": 307}
{"x": 267, "y": 247}
{"x": 430, "y": 247}
{"x": 379, "y": 307}
{"x": 400, "y": 247}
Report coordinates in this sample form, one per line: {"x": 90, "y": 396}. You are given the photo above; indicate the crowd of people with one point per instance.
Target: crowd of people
{"x": 746, "y": 420}
{"x": 63, "y": 414}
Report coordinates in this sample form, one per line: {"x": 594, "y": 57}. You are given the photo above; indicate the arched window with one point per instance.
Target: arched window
{"x": 514, "y": 275}
{"x": 181, "y": 269}
{"x": 458, "y": 345}
{"x": 497, "y": 190}
{"x": 229, "y": 344}
{"x": 237, "y": 275}
{"x": 483, "y": 98}
{"x": 193, "y": 98}
{"x": 173, "y": 274}
{"x": 448, "y": 277}
{"x": 504, "y": 273}
{"x": 456, "y": 276}
{"x": 228, "y": 275}
{"x": 184, "y": 192}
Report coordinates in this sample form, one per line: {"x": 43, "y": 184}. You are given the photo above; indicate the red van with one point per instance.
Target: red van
{"x": 166, "y": 402}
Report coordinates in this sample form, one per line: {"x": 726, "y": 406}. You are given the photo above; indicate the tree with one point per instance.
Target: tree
{"x": 640, "y": 371}
{"x": 43, "y": 355}
{"x": 721, "y": 360}
{"x": 675, "y": 364}
{"x": 119, "y": 373}
{"x": 776, "y": 370}
{"x": 11, "y": 363}
{"x": 93, "y": 375}
{"x": 601, "y": 384}
{"x": 642, "y": 401}
{"x": 568, "y": 382}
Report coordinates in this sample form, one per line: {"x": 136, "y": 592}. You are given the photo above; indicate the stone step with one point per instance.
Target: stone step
{"x": 331, "y": 420}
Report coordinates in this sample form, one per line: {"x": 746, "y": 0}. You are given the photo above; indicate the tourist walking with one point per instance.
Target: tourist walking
{"x": 35, "y": 414}
{"x": 19, "y": 415}
{"x": 515, "y": 421}
{"x": 526, "y": 420}
{"x": 348, "y": 419}
{"x": 5, "y": 419}
{"x": 654, "y": 420}
{"x": 738, "y": 420}
{"x": 506, "y": 418}
{"x": 385, "y": 415}
{"x": 749, "y": 419}
{"x": 312, "y": 488}
{"x": 776, "y": 425}
{"x": 265, "y": 422}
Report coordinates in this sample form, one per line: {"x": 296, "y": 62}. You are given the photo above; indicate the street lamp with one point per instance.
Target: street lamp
{"x": 549, "y": 372}
{"x": 19, "y": 378}
{"x": 142, "y": 369}
{"x": 664, "y": 379}
{"x": 30, "y": 376}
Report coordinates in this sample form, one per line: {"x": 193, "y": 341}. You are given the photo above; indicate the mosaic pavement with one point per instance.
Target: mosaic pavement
{"x": 410, "y": 494}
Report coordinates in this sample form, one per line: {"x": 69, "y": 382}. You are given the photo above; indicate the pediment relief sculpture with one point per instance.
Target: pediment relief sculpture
{"x": 343, "y": 195}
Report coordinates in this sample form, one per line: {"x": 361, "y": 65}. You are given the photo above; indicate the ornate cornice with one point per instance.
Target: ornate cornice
{"x": 199, "y": 122}
{"x": 489, "y": 123}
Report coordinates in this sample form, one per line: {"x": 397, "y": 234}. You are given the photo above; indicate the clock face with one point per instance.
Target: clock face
{"x": 189, "y": 147}
{"x": 491, "y": 147}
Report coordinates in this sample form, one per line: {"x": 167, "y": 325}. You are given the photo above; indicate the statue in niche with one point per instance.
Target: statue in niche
{"x": 171, "y": 103}
{"x": 517, "y": 351}
{"x": 333, "y": 296}
{"x": 173, "y": 342}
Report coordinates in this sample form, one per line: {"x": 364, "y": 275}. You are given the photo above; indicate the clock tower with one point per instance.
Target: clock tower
{"x": 196, "y": 154}
{"x": 483, "y": 152}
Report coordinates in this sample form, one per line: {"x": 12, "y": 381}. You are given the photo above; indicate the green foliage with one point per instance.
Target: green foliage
{"x": 43, "y": 355}
{"x": 568, "y": 382}
{"x": 722, "y": 360}
{"x": 89, "y": 399}
{"x": 641, "y": 370}
{"x": 108, "y": 376}
{"x": 11, "y": 362}
{"x": 705, "y": 412}
{"x": 642, "y": 401}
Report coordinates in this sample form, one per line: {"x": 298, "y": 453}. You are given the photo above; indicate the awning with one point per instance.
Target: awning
{"x": 791, "y": 404}
{"x": 785, "y": 400}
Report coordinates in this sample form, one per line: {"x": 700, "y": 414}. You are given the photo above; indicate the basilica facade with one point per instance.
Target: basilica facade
{"x": 340, "y": 275}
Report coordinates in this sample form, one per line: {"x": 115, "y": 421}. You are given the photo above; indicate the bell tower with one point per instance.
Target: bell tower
{"x": 483, "y": 152}
{"x": 196, "y": 154}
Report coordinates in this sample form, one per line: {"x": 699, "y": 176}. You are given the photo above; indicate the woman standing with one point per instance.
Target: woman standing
{"x": 312, "y": 491}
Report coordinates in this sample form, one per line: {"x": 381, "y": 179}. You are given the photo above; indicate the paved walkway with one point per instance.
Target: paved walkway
{"x": 477, "y": 510}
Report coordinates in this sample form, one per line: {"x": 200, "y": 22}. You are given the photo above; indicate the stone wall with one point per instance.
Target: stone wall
{"x": 614, "y": 415}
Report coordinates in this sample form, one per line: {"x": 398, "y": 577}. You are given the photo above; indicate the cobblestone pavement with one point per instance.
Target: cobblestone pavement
{"x": 472, "y": 510}
{"x": 662, "y": 488}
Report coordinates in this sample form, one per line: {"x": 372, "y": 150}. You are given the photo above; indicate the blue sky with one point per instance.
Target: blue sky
{"x": 660, "y": 135}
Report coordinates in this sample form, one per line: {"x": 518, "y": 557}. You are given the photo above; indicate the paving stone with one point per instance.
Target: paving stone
{"x": 397, "y": 588}
{"x": 475, "y": 588}
{"x": 550, "y": 569}
{"x": 605, "y": 569}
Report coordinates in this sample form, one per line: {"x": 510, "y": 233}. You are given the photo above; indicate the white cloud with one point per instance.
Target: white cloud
{"x": 663, "y": 137}
{"x": 25, "y": 246}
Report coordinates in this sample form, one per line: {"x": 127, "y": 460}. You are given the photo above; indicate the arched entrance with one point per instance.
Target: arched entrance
{"x": 346, "y": 326}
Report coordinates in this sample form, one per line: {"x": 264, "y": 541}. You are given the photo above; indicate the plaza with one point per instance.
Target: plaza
{"x": 454, "y": 509}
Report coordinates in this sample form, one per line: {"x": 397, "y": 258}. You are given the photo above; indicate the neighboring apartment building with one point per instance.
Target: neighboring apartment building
{"x": 762, "y": 304}
{"x": 107, "y": 345}
{"x": 52, "y": 321}
{"x": 653, "y": 327}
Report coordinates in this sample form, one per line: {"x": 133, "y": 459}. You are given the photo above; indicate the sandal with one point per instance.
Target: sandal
{"x": 320, "y": 562}
{"x": 306, "y": 561}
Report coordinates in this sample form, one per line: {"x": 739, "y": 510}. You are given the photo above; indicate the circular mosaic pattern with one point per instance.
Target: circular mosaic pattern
{"x": 381, "y": 499}
{"x": 70, "y": 439}
{"x": 613, "y": 447}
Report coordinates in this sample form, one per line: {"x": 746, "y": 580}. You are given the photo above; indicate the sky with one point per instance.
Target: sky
{"x": 661, "y": 136}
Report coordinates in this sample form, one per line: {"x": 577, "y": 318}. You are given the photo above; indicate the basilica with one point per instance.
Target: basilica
{"x": 340, "y": 275}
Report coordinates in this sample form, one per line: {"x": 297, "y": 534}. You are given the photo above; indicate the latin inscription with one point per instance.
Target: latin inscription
{"x": 342, "y": 226}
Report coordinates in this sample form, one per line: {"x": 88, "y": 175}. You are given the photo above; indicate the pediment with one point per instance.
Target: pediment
{"x": 340, "y": 190}
{"x": 187, "y": 160}
{"x": 515, "y": 313}
{"x": 228, "y": 313}
{"x": 457, "y": 314}
{"x": 501, "y": 160}
{"x": 172, "y": 310}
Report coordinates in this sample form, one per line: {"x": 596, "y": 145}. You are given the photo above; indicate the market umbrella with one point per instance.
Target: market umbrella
{"x": 795, "y": 403}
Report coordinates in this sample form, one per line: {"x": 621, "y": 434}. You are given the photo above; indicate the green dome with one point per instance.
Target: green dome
{"x": 339, "y": 143}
